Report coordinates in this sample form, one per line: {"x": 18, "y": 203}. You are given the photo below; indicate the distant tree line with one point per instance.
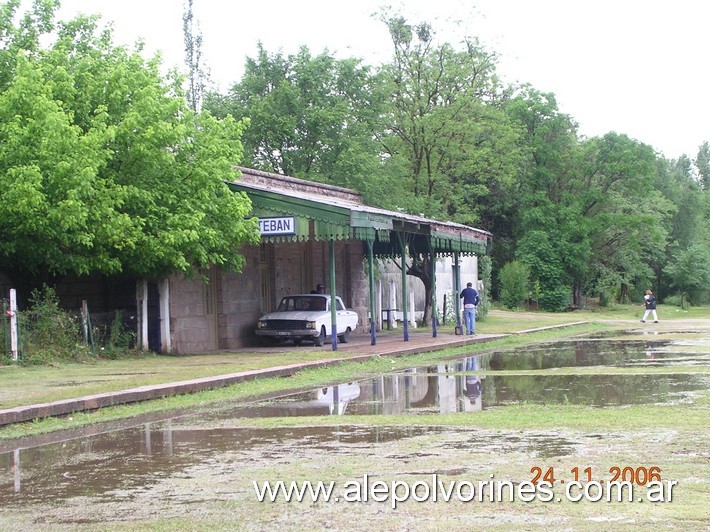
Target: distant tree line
{"x": 435, "y": 132}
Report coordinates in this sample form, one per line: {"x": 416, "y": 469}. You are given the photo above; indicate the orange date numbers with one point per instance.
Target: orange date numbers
{"x": 635, "y": 475}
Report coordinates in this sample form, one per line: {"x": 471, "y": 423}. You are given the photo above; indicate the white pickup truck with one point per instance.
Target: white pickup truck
{"x": 306, "y": 317}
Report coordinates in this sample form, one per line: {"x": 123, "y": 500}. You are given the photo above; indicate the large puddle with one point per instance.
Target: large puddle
{"x": 119, "y": 464}
{"x": 470, "y": 384}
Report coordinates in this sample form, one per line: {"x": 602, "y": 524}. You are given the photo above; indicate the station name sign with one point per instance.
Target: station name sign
{"x": 283, "y": 225}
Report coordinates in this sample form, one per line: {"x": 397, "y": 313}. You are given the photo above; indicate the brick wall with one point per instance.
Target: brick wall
{"x": 285, "y": 183}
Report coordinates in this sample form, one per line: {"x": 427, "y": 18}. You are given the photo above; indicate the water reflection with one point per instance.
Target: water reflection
{"x": 458, "y": 386}
{"x": 329, "y": 400}
{"x": 116, "y": 464}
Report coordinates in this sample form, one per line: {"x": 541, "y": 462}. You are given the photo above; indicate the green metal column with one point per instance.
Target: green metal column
{"x": 405, "y": 317}
{"x": 333, "y": 313}
{"x": 457, "y": 289}
{"x": 371, "y": 279}
{"x": 432, "y": 256}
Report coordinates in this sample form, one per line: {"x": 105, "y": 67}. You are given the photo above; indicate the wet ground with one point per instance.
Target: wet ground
{"x": 158, "y": 460}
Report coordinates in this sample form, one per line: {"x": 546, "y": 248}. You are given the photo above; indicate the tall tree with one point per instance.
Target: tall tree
{"x": 448, "y": 143}
{"x": 589, "y": 213}
{"x": 628, "y": 216}
{"x": 702, "y": 163}
{"x": 689, "y": 273}
{"x": 687, "y": 223}
{"x": 439, "y": 117}
{"x": 550, "y": 232}
{"x": 103, "y": 167}
{"x": 198, "y": 75}
{"x": 310, "y": 116}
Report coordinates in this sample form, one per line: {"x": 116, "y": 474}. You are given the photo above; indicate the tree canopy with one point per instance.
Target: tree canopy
{"x": 434, "y": 132}
{"x": 103, "y": 165}
{"x": 310, "y": 116}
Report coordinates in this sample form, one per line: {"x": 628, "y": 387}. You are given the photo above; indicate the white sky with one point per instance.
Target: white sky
{"x": 638, "y": 67}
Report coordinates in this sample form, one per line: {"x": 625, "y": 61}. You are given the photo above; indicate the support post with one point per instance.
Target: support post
{"x": 13, "y": 324}
{"x": 333, "y": 313}
{"x": 371, "y": 280}
{"x": 165, "y": 340}
{"x": 432, "y": 256}
{"x": 457, "y": 289}
{"x": 405, "y": 318}
{"x": 142, "y": 306}
{"x": 86, "y": 324}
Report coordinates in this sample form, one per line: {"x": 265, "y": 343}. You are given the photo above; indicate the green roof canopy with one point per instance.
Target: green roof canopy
{"x": 324, "y": 212}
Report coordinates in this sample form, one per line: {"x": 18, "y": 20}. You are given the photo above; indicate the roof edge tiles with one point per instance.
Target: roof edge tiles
{"x": 282, "y": 182}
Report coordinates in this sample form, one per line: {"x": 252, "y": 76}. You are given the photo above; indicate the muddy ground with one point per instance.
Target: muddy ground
{"x": 195, "y": 473}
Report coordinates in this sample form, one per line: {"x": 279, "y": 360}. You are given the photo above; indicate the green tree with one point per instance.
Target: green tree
{"x": 628, "y": 216}
{"x": 514, "y": 284}
{"x": 686, "y": 221}
{"x": 198, "y": 74}
{"x": 690, "y": 273}
{"x": 551, "y": 234}
{"x": 447, "y": 142}
{"x": 485, "y": 266}
{"x": 103, "y": 167}
{"x": 313, "y": 117}
{"x": 590, "y": 215}
{"x": 702, "y": 163}
{"x": 446, "y": 139}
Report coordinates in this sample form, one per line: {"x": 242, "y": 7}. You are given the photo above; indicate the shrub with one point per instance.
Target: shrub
{"x": 450, "y": 309}
{"x": 555, "y": 299}
{"x": 514, "y": 282}
{"x": 673, "y": 300}
{"x": 51, "y": 334}
{"x": 119, "y": 340}
{"x": 48, "y": 332}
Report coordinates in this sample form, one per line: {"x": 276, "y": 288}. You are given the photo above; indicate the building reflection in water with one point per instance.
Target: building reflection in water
{"x": 444, "y": 388}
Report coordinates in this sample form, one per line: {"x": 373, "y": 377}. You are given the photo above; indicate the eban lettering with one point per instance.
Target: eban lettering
{"x": 284, "y": 225}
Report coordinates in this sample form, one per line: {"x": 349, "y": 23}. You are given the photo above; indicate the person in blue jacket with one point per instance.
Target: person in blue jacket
{"x": 470, "y": 300}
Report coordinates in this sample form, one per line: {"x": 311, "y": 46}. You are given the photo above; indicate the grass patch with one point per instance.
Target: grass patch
{"x": 520, "y": 417}
{"x": 216, "y": 458}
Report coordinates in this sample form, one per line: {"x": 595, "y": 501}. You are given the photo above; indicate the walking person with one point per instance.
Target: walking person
{"x": 470, "y": 300}
{"x": 649, "y": 301}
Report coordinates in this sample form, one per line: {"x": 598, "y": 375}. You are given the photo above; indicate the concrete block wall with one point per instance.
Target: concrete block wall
{"x": 288, "y": 270}
{"x": 359, "y": 299}
{"x": 238, "y": 303}
{"x": 188, "y": 323}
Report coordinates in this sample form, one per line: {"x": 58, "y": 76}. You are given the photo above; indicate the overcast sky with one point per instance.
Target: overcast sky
{"x": 638, "y": 67}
